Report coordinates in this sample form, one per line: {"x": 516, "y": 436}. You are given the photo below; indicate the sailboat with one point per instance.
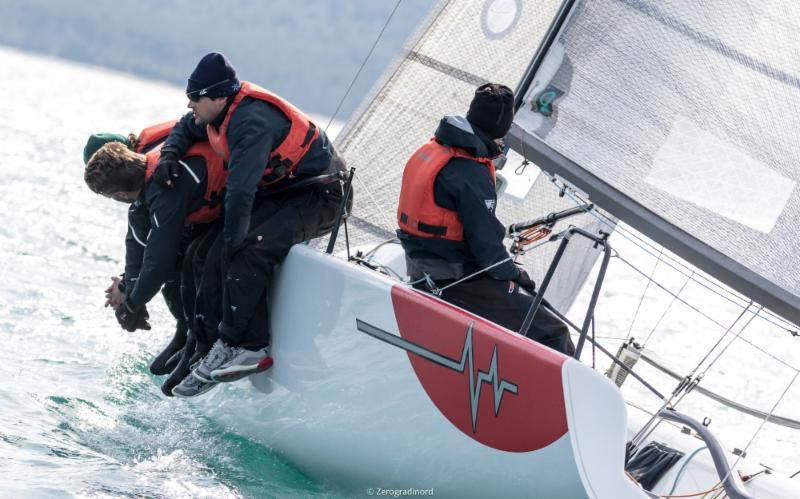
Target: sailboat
{"x": 630, "y": 114}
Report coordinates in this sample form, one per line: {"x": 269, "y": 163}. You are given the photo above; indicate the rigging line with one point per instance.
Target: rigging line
{"x": 696, "y": 380}
{"x": 510, "y": 258}
{"x": 766, "y": 315}
{"x": 658, "y": 284}
{"x": 621, "y": 338}
{"x": 739, "y": 407}
{"x": 644, "y": 293}
{"x": 363, "y": 63}
{"x": 679, "y": 392}
{"x": 614, "y": 359}
{"x": 388, "y": 226}
{"x": 725, "y": 348}
{"x": 700, "y": 279}
{"x": 666, "y": 310}
{"x": 714, "y": 321}
{"x": 646, "y": 246}
{"x": 761, "y": 426}
{"x": 680, "y": 267}
{"x": 772, "y": 356}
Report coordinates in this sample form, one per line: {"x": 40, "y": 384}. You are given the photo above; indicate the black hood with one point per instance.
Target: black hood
{"x": 456, "y": 131}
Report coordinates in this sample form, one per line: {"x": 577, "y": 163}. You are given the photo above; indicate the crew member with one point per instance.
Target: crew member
{"x": 283, "y": 188}
{"x": 194, "y": 201}
{"x": 448, "y": 226}
{"x": 136, "y": 241}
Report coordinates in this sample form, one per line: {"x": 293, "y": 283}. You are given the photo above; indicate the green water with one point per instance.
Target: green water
{"x": 80, "y": 415}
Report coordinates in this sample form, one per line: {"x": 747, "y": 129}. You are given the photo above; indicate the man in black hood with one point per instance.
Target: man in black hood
{"x": 282, "y": 188}
{"x": 448, "y": 226}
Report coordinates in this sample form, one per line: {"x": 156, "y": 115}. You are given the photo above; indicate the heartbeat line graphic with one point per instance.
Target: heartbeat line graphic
{"x": 475, "y": 382}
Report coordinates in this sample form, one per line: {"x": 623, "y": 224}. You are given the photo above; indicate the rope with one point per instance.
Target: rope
{"x": 719, "y": 341}
{"x": 389, "y": 227}
{"x": 363, "y": 63}
{"x": 369, "y": 254}
{"x": 438, "y": 291}
{"x": 715, "y": 488}
{"x": 683, "y": 467}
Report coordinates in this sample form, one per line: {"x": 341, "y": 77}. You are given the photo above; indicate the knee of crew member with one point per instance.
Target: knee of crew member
{"x": 198, "y": 261}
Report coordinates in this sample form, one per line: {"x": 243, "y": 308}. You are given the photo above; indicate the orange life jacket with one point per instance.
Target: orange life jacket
{"x": 417, "y": 213}
{"x": 282, "y": 161}
{"x": 217, "y": 175}
{"x": 153, "y": 134}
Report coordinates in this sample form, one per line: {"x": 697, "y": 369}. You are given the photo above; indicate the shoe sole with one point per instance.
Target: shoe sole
{"x": 235, "y": 373}
{"x": 204, "y": 390}
{"x": 201, "y": 377}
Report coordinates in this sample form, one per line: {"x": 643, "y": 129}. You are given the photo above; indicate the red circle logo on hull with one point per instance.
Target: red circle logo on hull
{"x": 497, "y": 387}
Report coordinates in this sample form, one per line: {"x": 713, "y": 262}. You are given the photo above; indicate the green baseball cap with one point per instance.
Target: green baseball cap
{"x": 98, "y": 140}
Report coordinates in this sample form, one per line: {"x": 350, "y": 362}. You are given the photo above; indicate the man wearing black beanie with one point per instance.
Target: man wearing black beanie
{"x": 283, "y": 187}
{"x": 448, "y": 228}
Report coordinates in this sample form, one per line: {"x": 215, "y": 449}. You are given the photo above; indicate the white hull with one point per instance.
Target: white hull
{"x": 350, "y": 404}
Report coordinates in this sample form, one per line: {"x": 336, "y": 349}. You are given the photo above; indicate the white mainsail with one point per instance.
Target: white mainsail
{"x": 678, "y": 117}
{"x": 460, "y": 46}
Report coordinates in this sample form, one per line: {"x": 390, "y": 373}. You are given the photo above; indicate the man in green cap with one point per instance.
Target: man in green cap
{"x": 135, "y": 244}
{"x": 117, "y": 172}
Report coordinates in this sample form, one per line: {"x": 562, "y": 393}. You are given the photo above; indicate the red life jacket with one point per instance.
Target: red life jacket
{"x": 154, "y": 134}
{"x": 417, "y": 213}
{"x": 282, "y": 161}
{"x": 217, "y": 175}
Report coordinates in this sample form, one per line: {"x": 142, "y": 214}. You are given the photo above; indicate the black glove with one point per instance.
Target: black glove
{"x": 166, "y": 170}
{"x": 525, "y": 282}
{"x": 131, "y": 317}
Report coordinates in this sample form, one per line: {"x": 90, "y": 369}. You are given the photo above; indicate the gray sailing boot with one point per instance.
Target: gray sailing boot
{"x": 192, "y": 387}
{"x": 227, "y": 363}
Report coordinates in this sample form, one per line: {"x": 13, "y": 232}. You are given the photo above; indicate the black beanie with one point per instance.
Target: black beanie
{"x": 492, "y": 109}
{"x": 213, "y": 77}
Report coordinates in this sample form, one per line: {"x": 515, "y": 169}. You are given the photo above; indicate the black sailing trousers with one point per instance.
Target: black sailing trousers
{"x": 171, "y": 291}
{"x": 201, "y": 284}
{"x": 200, "y": 277}
{"x": 503, "y": 303}
{"x": 281, "y": 221}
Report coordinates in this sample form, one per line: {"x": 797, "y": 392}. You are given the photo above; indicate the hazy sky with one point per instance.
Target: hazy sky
{"x": 306, "y": 50}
